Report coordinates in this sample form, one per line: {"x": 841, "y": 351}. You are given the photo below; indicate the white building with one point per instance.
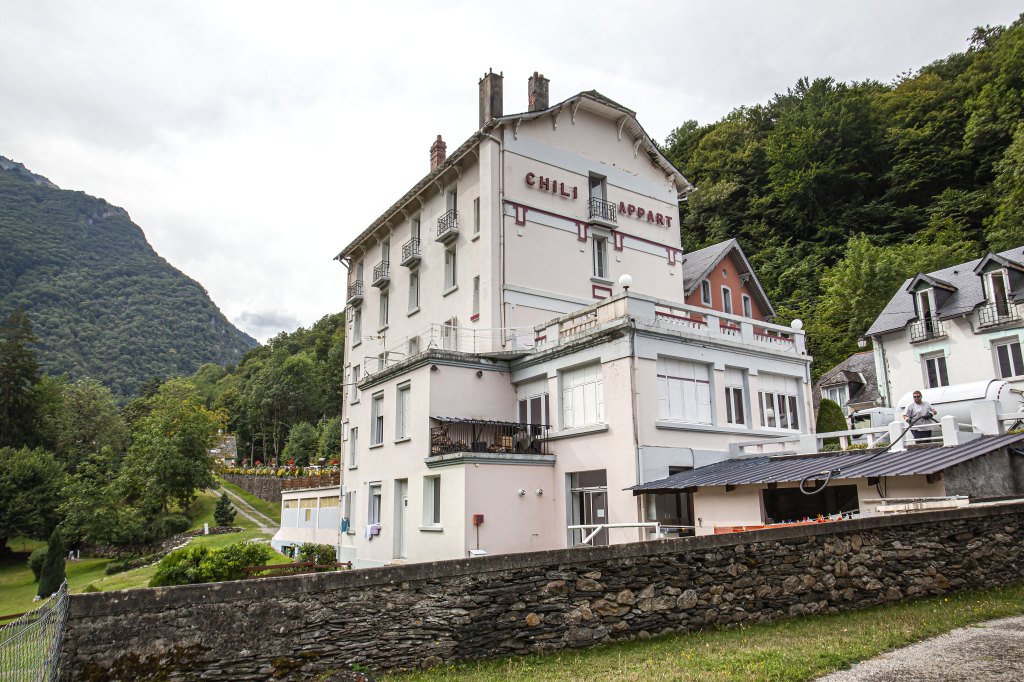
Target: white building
{"x": 953, "y": 326}
{"x": 310, "y": 514}
{"x": 502, "y": 387}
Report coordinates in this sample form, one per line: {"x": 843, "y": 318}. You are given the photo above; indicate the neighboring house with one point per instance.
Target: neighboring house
{"x": 953, "y": 326}
{"x": 225, "y": 452}
{"x": 852, "y": 384}
{"x": 506, "y": 384}
{"x": 311, "y": 514}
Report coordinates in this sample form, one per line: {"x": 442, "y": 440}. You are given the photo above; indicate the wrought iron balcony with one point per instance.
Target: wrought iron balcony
{"x": 381, "y": 274}
{"x": 927, "y": 329}
{"x": 481, "y": 435}
{"x": 355, "y": 293}
{"x": 997, "y": 313}
{"x": 602, "y": 211}
{"x": 411, "y": 252}
{"x": 448, "y": 226}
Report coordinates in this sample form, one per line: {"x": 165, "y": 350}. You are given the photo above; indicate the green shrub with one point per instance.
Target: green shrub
{"x": 128, "y": 564}
{"x": 829, "y": 446}
{"x": 166, "y": 525}
{"x": 52, "y": 575}
{"x": 199, "y": 564}
{"x": 35, "y": 561}
{"x": 224, "y": 513}
{"x": 321, "y": 554}
{"x": 857, "y": 446}
{"x": 90, "y": 588}
{"x": 830, "y": 418}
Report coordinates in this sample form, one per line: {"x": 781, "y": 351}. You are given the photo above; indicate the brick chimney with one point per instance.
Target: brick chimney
{"x": 537, "y": 92}
{"x": 438, "y": 152}
{"x": 490, "y": 96}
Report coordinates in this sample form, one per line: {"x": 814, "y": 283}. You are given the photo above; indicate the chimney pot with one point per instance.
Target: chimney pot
{"x": 438, "y": 153}
{"x": 537, "y": 92}
{"x": 490, "y": 96}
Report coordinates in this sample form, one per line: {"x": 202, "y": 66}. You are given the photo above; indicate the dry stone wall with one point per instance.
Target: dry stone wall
{"x": 264, "y": 487}
{"x": 425, "y": 614}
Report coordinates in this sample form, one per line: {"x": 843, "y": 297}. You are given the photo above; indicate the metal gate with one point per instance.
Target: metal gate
{"x": 30, "y": 645}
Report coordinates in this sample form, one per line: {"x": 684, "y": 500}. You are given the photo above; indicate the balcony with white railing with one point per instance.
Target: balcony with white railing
{"x": 447, "y": 226}
{"x": 998, "y": 314}
{"x": 411, "y": 252}
{"x": 381, "y": 274}
{"x": 672, "y": 317}
{"x": 355, "y": 293}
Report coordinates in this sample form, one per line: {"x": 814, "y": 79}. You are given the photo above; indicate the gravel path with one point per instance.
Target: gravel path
{"x": 989, "y": 651}
{"x": 265, "y": 524}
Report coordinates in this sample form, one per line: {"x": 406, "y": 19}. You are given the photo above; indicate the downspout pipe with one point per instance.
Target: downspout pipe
{"x": 501, "y": 236}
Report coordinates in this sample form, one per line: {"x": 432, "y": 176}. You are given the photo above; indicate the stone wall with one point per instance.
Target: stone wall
{"x": 423, "y": 614}
{"x": 264, "y": 487}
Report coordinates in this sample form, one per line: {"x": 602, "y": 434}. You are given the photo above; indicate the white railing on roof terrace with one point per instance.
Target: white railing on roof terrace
{"x": 451, "y": 338}
{"x": 678, "y": 317}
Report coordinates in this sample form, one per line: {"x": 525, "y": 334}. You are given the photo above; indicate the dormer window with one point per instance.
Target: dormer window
{"x": 705, "y": 292}
{"x": 996, "y": 291}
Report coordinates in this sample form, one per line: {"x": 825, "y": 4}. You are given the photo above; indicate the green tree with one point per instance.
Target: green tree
{"x": 224, "y": 513}
{"x": 302, "y": 444}
{"x": 88, "y": 421}
{"x": 52, "y": 575}
{"x": 19, "y": 373}
{"x": 168, "y": 461}
{"x": 96, "y": 508}
{"x": 830, "y": 419}
{"x": 330, "y": 439}
{"x": 31, "y": 486}
{"x": 1005, "y": 228}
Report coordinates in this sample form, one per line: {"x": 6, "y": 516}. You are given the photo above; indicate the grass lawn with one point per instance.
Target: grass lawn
{"x": 201, "y": 509}
{"x": 797, "y": 649}
{"x": 18, "y": 586}
{"x": 268, "y": 509}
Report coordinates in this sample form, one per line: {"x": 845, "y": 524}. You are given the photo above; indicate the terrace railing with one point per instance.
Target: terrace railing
{"x": 600, "y": 209}
{"x": 479, "y": 435}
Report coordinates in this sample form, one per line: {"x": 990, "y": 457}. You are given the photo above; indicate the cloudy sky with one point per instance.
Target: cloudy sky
{"x": 252, "y": 140}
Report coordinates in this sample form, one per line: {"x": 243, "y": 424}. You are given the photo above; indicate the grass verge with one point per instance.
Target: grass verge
{"x": 796, "y": 649}
{"x": 268, "y": 509}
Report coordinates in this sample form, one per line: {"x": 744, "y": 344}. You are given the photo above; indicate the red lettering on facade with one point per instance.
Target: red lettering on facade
{"x": 660, "y": 219}
{"x": 650, "y": 217}
{"x": 668, "y": 221}
{"x": 530, "y": 179}
{"x": 622, "y": 208}
{"x": 631, "y": 209}
{"x": 545, "y": 184}
{"x": 574, "y": 193}
{"x": 640, "y": 213}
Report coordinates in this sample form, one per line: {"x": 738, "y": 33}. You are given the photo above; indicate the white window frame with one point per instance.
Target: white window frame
{"x": 1015, "y": 361}
{"x": 748, "y": 305}
{"x": 784, "y": 405}
{"x": 451, "y": 273}
{"x": 377, "y": 419}
{"x": 600, "y": 249}
{"x": 476, "y": 295}
{"x": 705, "y": 292}
{"x": 350, "y": 510}
{"x": 353, "y": 447}
{"x": 524, "y": 410}
{"x": 384, "y": 305}
{"x": 727, "y": 300}
{"x": 357, "y": 327}
{"x": 412, "y": 346}
{"x": 450, "y": 334}
{"x": 432, "y": 501}
{"x": 735, "y": 400}
{"x": 356, "y": 369}
{"x": 941, "y": 370}
{"x": 476, "y": 216}
{"x": 842, "y": 392}
{"x": 403, "y": 409}
{"x": 414, "y": 292}
{"x": 375, "y": 503}
{"x": 582, "y": 396}
{"x": 684, "y": 391}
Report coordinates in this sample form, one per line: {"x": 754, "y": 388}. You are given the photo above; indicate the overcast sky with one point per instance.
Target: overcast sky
{"x": 252, "y": 140}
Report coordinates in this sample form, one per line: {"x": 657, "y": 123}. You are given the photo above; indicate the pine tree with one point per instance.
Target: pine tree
{"x": 19, "y": 373}
{"x": 224, "y": 513}
{"x": 53, "y": 575}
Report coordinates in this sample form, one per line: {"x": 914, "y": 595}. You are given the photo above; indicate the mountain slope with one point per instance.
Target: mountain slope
{"x": 103, "y": 303}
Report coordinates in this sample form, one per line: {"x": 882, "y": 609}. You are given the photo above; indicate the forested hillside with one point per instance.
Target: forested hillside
{"x": 283, "y": 400}
{"x": 102, "y": 302}
{"x": 838, "y": 191}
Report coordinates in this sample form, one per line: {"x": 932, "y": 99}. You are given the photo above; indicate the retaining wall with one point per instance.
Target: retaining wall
{"x": 425, "y": 614}
{"x": 264, "y": 487}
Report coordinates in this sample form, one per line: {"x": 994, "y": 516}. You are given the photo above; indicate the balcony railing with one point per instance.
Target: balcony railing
{"x": 997, "y": 313}
{"x": 355, "y": 293}
{"x": 926, "y": 329}
{"x": 411, "y": 252}
{"x": 381, "y": 274}
{"x": 448, "y": 226}
{"x": 602, "y": 210}
{"x": 481, "y": 435}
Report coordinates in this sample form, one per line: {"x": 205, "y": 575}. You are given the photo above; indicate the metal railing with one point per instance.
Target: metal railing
{"x": 596, "y": 528}
{"x": 355, "y": 291}
{"x": 928, "y": 328}
{"x": 411, "y": 250}
{"x": 482, "y": 435}
{"x": 448, "y": 224}
{"x": 997, "y": 313}
{"x": 30, "y": 646}
{"x": 380, "y": 271}
{"x": 601, "y": 209}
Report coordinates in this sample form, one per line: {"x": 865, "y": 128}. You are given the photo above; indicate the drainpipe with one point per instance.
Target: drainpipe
{"x": 885, "y": 368}
{"x": 501, "y": 236}
{"x": 638, "y": 454}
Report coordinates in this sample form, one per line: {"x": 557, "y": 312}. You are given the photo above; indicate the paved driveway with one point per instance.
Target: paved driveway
{"x": 993, "y": 650}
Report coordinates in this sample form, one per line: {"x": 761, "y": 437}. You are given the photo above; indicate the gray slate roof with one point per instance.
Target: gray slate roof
{"x": 859, "y": 367}
{"x": 854, "y": 464}
{"x": 968, "y": 295}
